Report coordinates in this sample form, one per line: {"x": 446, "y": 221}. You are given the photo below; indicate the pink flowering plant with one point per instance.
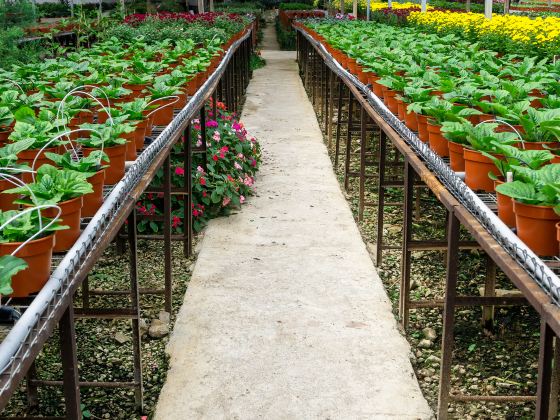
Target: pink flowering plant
{"x": 221, "y": 180}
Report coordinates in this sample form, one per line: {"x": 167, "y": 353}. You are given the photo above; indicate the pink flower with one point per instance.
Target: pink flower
{"x": 195, "y": 212}
{"x": 236, "y": 126}
{"x": 241, "y": 199}
{"x": 199, "y": 143}
{"x": 211, "y": 123}
{"x": 216, "y": 136}
{"x": 179, "y": 171}
{"x": 248, "y": 181}
{"x": 226, "y": 201}
{"x": 200, "y": 169}
{"x": 253, "y": 163}
{"x": 240, "y": 156}
{"x": 176, "y": 221}
{"x": 237, "y": 166}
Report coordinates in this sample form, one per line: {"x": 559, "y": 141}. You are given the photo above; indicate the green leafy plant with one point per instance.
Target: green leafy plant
{"x": 86, "y": 165}
{"x": 53, "y": 186}
{"x": 512, "y": 157}
{"x": 537, "y": 187}
{"x": 9, "y": 267}
{"x": 25, "y": 226}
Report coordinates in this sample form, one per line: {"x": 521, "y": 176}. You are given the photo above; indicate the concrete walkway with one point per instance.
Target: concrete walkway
{"x": 285, "y": 316}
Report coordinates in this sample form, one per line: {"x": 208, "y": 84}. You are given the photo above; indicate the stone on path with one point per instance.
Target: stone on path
{"x": 285, "y": 316}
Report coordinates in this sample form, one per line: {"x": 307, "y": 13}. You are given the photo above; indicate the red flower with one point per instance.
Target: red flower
{"x": 202, "y": 181}
{"x": 215, "y": 158}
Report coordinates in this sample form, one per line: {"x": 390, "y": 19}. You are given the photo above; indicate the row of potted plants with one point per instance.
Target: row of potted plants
{"x": 67, "y": 127}
{"x": 489, "y": 115}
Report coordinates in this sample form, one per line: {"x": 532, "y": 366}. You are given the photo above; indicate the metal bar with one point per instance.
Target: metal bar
{"x": 381, "y": 197}
{"x": 348, "y": 141}
{"x": 338, "y": 124}
{"x": 546, "y": 355}
{"x": 168, "y": 275}
{"x": 404, "y": 296}
{"x": 448, "y": 315}
{"x": 187, "y": 215}
{"x": 363, "y": 147}
{"x": 68, "y": 353}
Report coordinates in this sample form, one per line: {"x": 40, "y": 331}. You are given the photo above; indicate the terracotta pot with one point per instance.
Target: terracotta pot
{"x": 437, "y": 142}
{"x": 477, "y": 167}
{"x": 536, "y": 226}
{"x": 38, "y": 255}
{"x": 422, "y": 127}
{"x": 7, "y": 200}
{"x": 4, "y": 137}
{"x": 180, "y": 104}
{"x": 456, "y": 159}
{"x": 377, "y": 89}
{"x": 505, "y": 207}
{"x": 28, "y": 156}
{"x": 164, "y": 114}
{"x": 136, "y": 89}
{"x": 70, "y": 216}
{"x": 94, "y": 200}
{"x": 410, "y": 119}
{"x": 503, "y": 128}
{"x": 115, "y": 171}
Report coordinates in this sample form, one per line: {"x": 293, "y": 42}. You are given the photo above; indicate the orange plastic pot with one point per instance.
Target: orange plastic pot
{"x": 456, "y": 159}
{"x": 116, "y": 154}
{"x": 390, "y": 101}
{"x": 410, "y": 119}
{"x": 536, "y": 226}
{"x": 505, "y": 207}
{"x": 7, "y": 200}
{"x": 140, "y": 134}
{"x": 136, "y": 89}
{"x": 164, "y": 114}
{"x": 28, "y": 156}
{"x": 94, "y": 200}
{"x": 400, "y": 109}
{"x": 38, "y": 255}
{"x": 477, "y": 167}
{"x": 70, "y": 216}
{"x": 4, "y": 137}
{"x": 437, "y": 142}
{"x": 422, "y": 127}
{"x": 539, "y": 145}
{"x": 130, "y": 145}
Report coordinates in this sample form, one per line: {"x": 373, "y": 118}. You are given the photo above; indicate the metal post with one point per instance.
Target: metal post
{"x": 203, "y": 136}
{"x": 168, "y": 276}
{"x": 381, "y": 196}
{"x": 68, "y": 353}
{"x": 338, "y": 123}
{"x": 488, "y": 9}
{"x": 545, "y": 371}
{"x": 135, "y": 301}
{"x": 404, "y": 297}
{"x": 187, "y": 197}
{"x": 448, "y": 314}
{"x": 348, "y": 141}
{"x": 363, "y": 147}
{"x": 489, "y": 290}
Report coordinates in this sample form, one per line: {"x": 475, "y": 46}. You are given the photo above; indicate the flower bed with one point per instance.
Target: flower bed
{"x": 496, "y": 118}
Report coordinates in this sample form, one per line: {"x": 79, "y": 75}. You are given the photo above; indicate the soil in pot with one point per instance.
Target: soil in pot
{"x": 38, "y": 255}
{"x": 477, "y": 167}
{"x": 505, "y": 207}
{"x": 94, "y": 200}
{"x": 536, "y": 226}
{"x": 438, "y": 143}
{"x": 456, "y": 159}
{"x": 115, "y": 171}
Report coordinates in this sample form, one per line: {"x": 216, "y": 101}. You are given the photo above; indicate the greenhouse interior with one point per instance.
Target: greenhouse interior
{"x": 279, "y": 209}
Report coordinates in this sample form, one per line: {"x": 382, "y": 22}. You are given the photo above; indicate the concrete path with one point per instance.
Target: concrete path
{"x": 285, "y": 316}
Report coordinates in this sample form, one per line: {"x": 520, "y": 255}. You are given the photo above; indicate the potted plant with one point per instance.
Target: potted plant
{"x": 6, "y": 124}
{"x": 9, "y": 267}
{"x": 108, "y": 138}
{"x": 92, "y": 169}
{"x": 8, "y": 159}
{"x": 536, "y": 193}
{"x": 164, "y": 96}
{"x": 30, "y": 236}
{"x": 63, "y": 188}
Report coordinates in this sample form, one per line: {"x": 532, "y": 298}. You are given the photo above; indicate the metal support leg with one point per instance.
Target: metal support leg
{"x": 381, "y": 197}
{"x": 348, "y": 141}
{"x": 187, "y": 197}
{"x": 489, "y": 290}
{"x": 69, "y": 356}
{"x": 338, "y": 124}
{"x": 448, "y": 315}
{"x": 404, "y": 297}
{"x": 363, "y": 148}
{"x": 168, "y": 276}
{"x": 545, "y": 371}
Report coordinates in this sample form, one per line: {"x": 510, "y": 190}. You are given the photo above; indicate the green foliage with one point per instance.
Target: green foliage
{"x": 286, "y": 38}
{"x": 537, "y": 187}
{"x": 25, "y": 226}
{"x": 53, "y": 186}
{"x": 86, "y": 165}
{"x": 9, "y": 267}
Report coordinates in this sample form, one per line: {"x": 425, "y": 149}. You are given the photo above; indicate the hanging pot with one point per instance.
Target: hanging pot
{"x": 38, "y": 255}
{"x": 505, "y": 207}
{"x": 456, "y": 159}
{"x": 437, "y": 142}
{"x": 94, "y": 200}
{"x": 116, "y": 154}
{"x": 536, "y": 226}
{"x": 477, "y": 167}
